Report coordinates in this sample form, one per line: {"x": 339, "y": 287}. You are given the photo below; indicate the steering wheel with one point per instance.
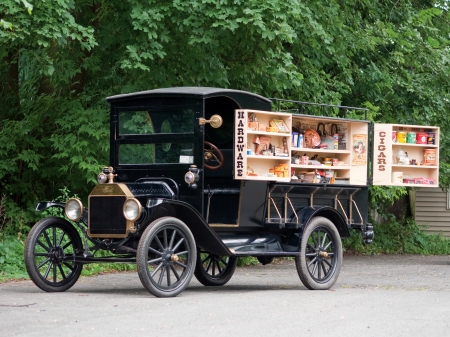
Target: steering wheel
{"x": 212, "y": 154}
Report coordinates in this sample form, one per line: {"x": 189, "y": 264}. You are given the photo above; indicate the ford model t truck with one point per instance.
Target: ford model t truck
{"x": 199, "y": 177}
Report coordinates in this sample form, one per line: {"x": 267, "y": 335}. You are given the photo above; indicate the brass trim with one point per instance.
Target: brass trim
{"x": 323, "y": 254}
{"x": 293, "y": 210}
{"x": 216, "y": 121}
{"x": 343, "y": 210}
{"x": 351, "y": 208}
{"x": 286, "y": 199}
{"x": 223, "y": 225}
{"x": 357, "y": 209}
{"x": 276, "y": 209}
{"x": 336, "y": 199}
{"x": 111, "y": 190}
{"x": 268, "y": 204}
{"x": 311, "y": 198}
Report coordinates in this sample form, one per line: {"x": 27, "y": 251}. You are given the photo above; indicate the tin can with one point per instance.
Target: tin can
{"x": 411, "y": 138}
{"x": 421, "y": 138}
{"x": 431, "y": 138}
{"x": 401, "y": 137}
{"x": 429, "y": 157}
{"x": 335, "y": 141}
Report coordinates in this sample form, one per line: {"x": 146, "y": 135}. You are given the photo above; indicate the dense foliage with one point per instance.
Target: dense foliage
{"x": 59, "y": 60}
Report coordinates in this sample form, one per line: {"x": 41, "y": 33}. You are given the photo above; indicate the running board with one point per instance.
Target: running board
{"x": 91, "y": 259}
{"x": 256, "y": 253}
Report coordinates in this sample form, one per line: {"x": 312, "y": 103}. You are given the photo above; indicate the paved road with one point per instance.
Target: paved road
{"x": 374, "y": 296}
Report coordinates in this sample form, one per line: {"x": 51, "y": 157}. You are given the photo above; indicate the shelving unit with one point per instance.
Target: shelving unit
{"x": 353, "y": 170}
{"x": 350, "y": 154}
{"x": 386, "y": 148}
{"x": 251, "y": 136}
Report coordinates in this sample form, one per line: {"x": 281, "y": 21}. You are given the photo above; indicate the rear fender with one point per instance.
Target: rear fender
{"x": 204, "y": 236}
{"x": 305, "y": 215}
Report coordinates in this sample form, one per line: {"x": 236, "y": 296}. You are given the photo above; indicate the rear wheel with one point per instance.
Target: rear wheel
{"x": 50, "y": 242}
{"x": 214, "y": 270}
{"x": 166, "y": 257}
{"x": 320, "y": 259}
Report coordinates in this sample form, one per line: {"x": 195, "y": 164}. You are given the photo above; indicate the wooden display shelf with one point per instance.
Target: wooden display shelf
{"x": 308, "y": 150}
{"x": 320, "y": 167}
{"x": 416, "y": 166}
{"x": 267, "y": 178}
{"x": 386, "y": 148}
{"x": 265, "y": 133}
{"x": 262, "y": 157}
{"x": 414, "y": 145}
{"x": 249, "y": 126}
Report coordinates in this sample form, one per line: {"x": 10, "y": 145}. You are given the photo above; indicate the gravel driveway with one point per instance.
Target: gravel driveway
{"x": 401, "y": 295}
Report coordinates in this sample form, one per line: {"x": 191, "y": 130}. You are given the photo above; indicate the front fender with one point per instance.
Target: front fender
{"x": 43, "y": 205}
{"x": 204, "y": 236}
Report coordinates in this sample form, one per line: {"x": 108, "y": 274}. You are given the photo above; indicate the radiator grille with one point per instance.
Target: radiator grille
{"x": 106, "y": 216}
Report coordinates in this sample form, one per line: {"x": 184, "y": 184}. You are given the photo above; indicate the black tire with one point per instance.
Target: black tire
{"x": 166, "y": 257}
{"x": 320, "y": 259}
{"x": 214, "y": 270}
{"x": 49, "y": 241}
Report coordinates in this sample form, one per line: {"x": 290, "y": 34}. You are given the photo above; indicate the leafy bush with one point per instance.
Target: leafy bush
{"x": 12, "y": 264}
{"x": 394, "y": 237}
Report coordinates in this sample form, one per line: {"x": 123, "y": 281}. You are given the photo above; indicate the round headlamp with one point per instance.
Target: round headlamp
{"x": 132, "y": 209}
{"x": 102, "y": 178}
{"x": 73, "y": 209}
{"x": 189, "y": 177}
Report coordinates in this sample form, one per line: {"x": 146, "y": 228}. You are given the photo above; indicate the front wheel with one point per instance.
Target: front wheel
{"x": 214, "y": 270}
{"x": 320, "y": 259}
{"x": 166, "y": 257}
{"x": 50, "y": 243}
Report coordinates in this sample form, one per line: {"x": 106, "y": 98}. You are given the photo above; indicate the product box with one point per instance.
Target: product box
{"x": 424, "y": 181}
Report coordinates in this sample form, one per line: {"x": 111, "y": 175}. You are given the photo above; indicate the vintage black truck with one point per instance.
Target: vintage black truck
{"x": 199, "y": 177}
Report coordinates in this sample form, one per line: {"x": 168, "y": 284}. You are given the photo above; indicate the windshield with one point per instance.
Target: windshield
{"x": 156, "y": 136}
{"x": 151, "y": 122}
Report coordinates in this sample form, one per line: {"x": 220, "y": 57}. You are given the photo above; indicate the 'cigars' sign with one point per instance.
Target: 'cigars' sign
{"x": 240, "y": 145}
{"x": 380, "y": 149}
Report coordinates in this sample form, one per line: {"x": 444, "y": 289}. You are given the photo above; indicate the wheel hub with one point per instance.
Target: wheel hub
{"x": 56, "y": 254}
{"x": 323, "y": 254}
{"x": 168, "y": 257}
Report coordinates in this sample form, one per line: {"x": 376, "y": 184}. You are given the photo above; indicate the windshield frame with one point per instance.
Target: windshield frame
{"x": 160, "y": 105}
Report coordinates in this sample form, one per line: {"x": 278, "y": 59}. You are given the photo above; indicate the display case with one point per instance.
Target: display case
{"x": 262, "y": 145}
{"x": 406, "y": 155}
{"x": 337, "y": 149}
{"x": 308, "y": 149}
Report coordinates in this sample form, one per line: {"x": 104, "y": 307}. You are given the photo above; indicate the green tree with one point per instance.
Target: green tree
{"x": 60, "y": 59}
